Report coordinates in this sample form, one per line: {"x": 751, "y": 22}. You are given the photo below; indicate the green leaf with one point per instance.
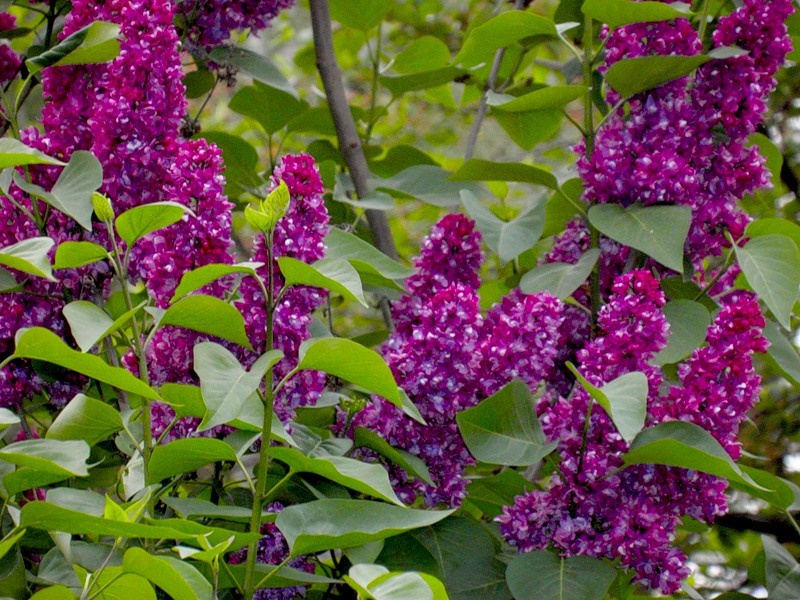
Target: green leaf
{"x": 333, "y": 274}
{"x": 187, "y": 455}
{"x": 74, "y": 187}
{"x": 137, "y": 222}
{"x": 769, "y": 226}
{"x": 459, "y": 551}
{"x": 425, "y": 53}
{"x": 771, "y": 265}
{"x": 527, "y": 129}
{"x": 49, "y": 456}
{"x": 504, "y": 430}
{"x": 8, "y": 544}
{"x": 624, "y": 399}
{"x": 96, "y": 43}
{"x": 85, "y": 419}
{"x": 500, "y": 32}
{"x": 688, "y": 324}
{"x": 508, "y": 239}
{"x": 198, "y": 83}
{"x": 56, "y": 592}
{"x": 366, "y": 438}
{"x": 477, "y": 169}
{"x": 624, "y": 12}
{"x": 782, "y": 570}
{"x": 548, "y": 98}
{"x": 7, "y": 418}
{"x": 114, "y": 584}
{"x": 370, "y": 479}
{"x": 51, "y": 517}
{"x": 542, "y": 575}
{"x": 360, "y": 14}
{"x": 192, "y": 281}
{"x": 272, "y": 108}
{"x": 254, "y": 64}
{"x": 346, "y": 246}
{"x": 269, "y": 576}
{"x": 333, "y": 523}
{"x": 241, "y": 162}
{"x": 782, "y": 354}
{"x": 71, "y": 255}
{"x": 189, "y": 508}
{"x": 427, "y": 183}
{"x": 29, "y": 256}
{"x": 225, "y": 384}
{"x": 379, "y": 584}
{"x": 14, "y": 153}
{"x": 560, "y": 279}
{"x": 493, "y": 493}
{"x": 424, "y": 80}
{"x": 88, "y": 322}
{"x": 38, "y": 343}
{"x": 7, "y": 282}
{"x": 352, "y": 362}
{"x": 177, "y": 578}
{"x": 631, "y": 76}
{"x": 658, "y": 231}
{"x": 689, "y": 446}
{"x": 207, "y": 314}
{"x": 779, "y": 492}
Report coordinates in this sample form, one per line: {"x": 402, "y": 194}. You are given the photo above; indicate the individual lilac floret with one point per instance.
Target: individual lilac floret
{"x": 273, "y": 550}
{"x": 300, "y": 234}
{"x": 210, "y": 23}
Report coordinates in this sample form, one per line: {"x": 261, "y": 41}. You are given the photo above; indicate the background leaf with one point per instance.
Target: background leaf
{"x": 542, "y": 575}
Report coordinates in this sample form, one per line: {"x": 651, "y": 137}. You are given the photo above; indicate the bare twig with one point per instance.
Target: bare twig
{"x": 490, "y": 86}
{"x": 349, "y": 140}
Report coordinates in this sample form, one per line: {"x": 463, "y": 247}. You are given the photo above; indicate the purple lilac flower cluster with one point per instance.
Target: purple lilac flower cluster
{"x": 128, "y": 113}
{"x": 273, "y": 550}
{"x": 447, "y": 357}
{"x": 10, "y": 61}
{"x": 209, "y": 23}
{"x": 686, "y": 141}
{"x": 300, "y": 234}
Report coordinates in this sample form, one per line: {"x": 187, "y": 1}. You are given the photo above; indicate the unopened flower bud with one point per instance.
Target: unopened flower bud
{"x": 102, "y": 207}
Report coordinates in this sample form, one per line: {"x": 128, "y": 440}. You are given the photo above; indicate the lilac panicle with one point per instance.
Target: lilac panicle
{"x": 447, "y": 357}
{"x": 300, "y": 234}
{"x": 210, "y": 23}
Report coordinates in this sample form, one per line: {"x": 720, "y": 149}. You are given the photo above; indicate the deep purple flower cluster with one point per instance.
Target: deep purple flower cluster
{"x": 447, "y": 357}
{"x": 10, "y": 61}
{"x": 210, "y": 23}
{"x": 686, "y": 141}
{"x": 300, "y": 234}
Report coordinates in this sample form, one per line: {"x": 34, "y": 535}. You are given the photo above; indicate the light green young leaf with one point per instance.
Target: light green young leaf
{"x": 334, "y": 523}
{"x": 9, "y": 543}
{"x": 73, "y": 190}
{"x": 14, "y": 153}
{"x": 624, "y": 399}
{"x": 207, "y": 314}
{"x": 38, "y": 343}
{"x": 548, "y": 98}
{"x": 560, "y": 279}
{"x": 352, "y": 362}
{"x": 137, "y": 222}
{"x": 333, "y": 274}
{"x": 508, "y": 239}
{"x": 71, "y": 255}
{"x": 771, "y": 265}
{"x": 503, "y": 428}
{"x": 202, "y": 276}
{"x": 185, "y": 456}
{"x": 87, "y": 419}
{"x": 658, "y": 231}
{"x": 96, "y": 43}
{"x": 422, "y": 54}
{"x": 29, "y": 256}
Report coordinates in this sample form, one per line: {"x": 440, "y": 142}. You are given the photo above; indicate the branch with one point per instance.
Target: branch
{"x": 775, "y": 525}
{"x": 472, "y": 141}
{"x": 349, "y": 140}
